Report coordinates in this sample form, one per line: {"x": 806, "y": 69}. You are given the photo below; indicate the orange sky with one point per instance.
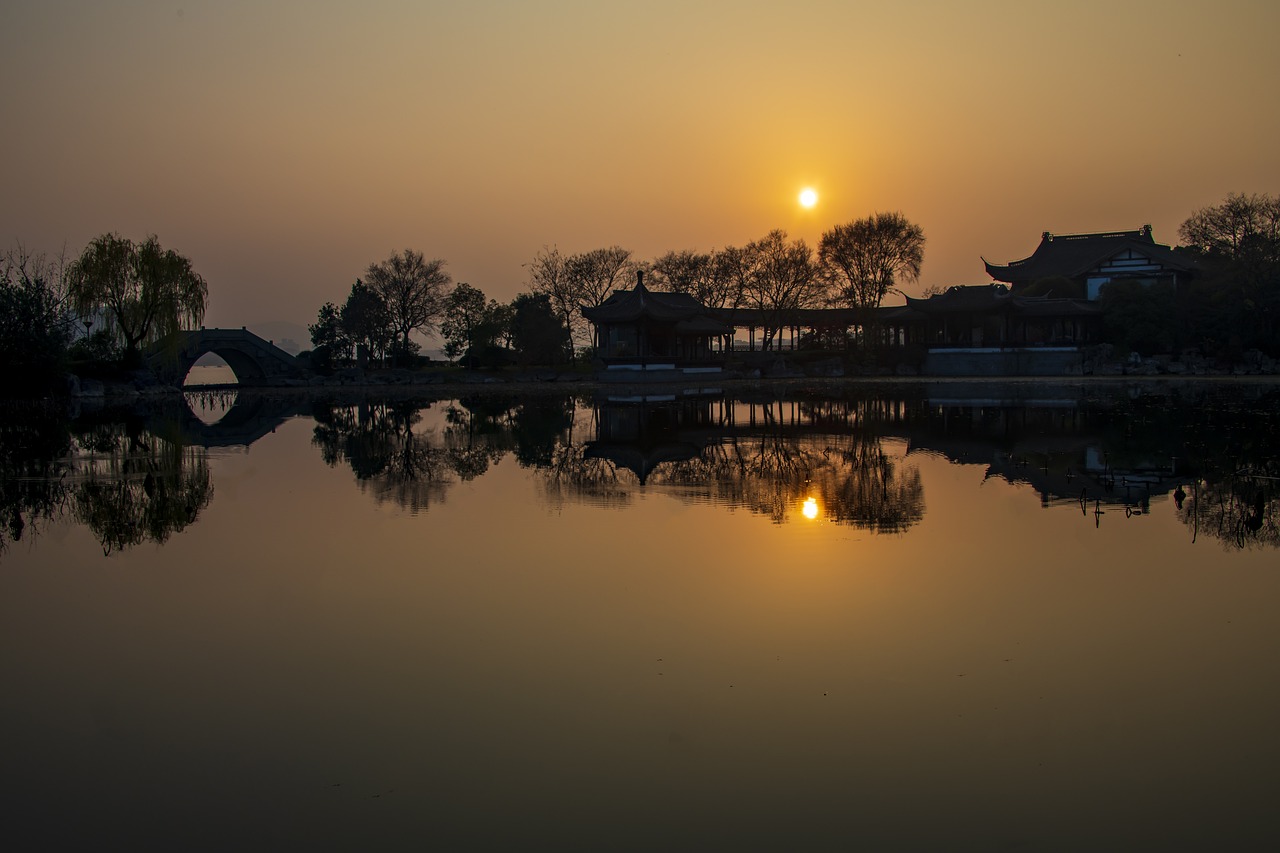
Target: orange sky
{"x": 284, "y": 146}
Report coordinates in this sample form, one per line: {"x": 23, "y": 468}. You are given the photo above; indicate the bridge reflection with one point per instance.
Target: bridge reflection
{"x": 245, "y": 417}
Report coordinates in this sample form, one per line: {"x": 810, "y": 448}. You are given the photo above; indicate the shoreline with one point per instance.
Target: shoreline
{"x": 588, "y": 385}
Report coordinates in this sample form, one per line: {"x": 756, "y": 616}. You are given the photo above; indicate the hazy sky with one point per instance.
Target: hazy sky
{"x": 283, "y": 146}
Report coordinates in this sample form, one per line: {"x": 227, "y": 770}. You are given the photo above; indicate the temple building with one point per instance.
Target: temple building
{"x": 1092, "y": 260}
{"x": 644, "y": 330}
{"x": 989, "y": 315}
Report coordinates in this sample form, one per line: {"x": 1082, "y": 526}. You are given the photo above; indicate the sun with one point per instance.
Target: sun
{"x": 808, "y": 197}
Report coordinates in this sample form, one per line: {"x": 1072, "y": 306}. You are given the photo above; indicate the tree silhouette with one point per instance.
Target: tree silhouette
{"x": 413, "y": 290}
{"x": 867, "y": 258}
{"x": 777, "y": 276}
{"x": 143, "y": 291}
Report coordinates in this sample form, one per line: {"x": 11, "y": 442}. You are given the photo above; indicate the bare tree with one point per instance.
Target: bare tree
{"x": 779, "y": 276}
{"x": 572, "y": 281}
{"x": 704, "y": 276}
{"x": 599, "y": 272}
{"x": 414, "y": 291}
{"x": 1241, "y": 224}
{"x": 866, "y": 259}
{"x": 547, "y": 277}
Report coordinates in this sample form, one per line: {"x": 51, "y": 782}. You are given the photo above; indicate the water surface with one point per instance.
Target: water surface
{"x": 560, "y": 622}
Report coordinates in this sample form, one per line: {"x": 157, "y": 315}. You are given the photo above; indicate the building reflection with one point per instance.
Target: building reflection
{"x": 848, "y": 457}
{"x": 770, "y": 456}
{"x": 844, "y": 455}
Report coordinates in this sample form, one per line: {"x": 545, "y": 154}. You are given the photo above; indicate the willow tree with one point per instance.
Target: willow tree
{"x": 141, "y": 291}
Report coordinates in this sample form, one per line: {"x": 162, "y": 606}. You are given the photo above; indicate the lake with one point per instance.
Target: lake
{"x": 928, "y": 616}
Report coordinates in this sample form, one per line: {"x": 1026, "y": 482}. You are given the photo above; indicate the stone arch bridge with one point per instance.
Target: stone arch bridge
{"x": 254, "y": 360}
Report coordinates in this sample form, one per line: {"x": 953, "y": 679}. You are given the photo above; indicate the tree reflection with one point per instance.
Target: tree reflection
{"x": 391, "y": 459}
{"x": 396, "y": 458}
{"x": 769, "y": 457}
{"x": 571, "y": 475}
{"x": 133, "y": 486}
{"x": 1241, "y": 511}
{"x": 476, "y": 435}
{"x": 871, "y": 490}
{"x": 35, "y": 442}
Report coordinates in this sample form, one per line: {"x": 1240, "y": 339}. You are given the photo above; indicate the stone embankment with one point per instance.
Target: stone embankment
{"x": 1100, "y": 361}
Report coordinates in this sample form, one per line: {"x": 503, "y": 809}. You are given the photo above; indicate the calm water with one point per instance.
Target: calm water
{"x": 887, "y": 618}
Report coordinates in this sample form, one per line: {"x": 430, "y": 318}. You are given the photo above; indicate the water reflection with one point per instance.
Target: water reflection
{"x": 772, "y": 457}
{"x": 1241, "y": 512}
{"x": 848, "y": 457}
{"x": 393, "y": 456}
{"x": 131, "y": 486}
{"x": 115, "y": 476}
{"x": 34, "y": 445}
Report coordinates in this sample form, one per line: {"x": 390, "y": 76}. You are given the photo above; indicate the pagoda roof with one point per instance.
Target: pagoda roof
{"x": 963, "y": 297}
{"x": 989, "y": 298}
{"x": 628, "y": 306}
{"x": 1072, "y": 255}
{"x": 639, "y": 459}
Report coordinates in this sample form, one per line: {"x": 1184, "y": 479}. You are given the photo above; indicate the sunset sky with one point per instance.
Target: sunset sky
{"x": 283, "y": 146}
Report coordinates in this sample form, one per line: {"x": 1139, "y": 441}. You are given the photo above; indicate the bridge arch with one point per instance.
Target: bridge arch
{"x": 254, "y": 360}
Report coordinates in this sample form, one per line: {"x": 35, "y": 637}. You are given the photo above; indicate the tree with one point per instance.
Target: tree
{"x": 704, "y": 276}
{"x": 572, "y": 281}
{"x": 464, "y": 314}
{"x": 547, "y": 278}
{"x": 1237, "y": 297}
{"x": 536, "y": 334}
{"x": 413, "y": 289}
{"x": 365, "y": 321}
{"x": 1240, "y": 226}
{"x": 597, "y": 273}
{"x": 471, "y": 328}
{"x": 143, "y": 291}
{"x": 34, "y": 325}
{"x": 329, "y": 341}
{"x": 866, "y": 259}
{"x": 778, "y": 276}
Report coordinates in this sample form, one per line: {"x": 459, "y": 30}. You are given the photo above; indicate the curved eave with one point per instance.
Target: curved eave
{"x": 1001, "y": 272}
